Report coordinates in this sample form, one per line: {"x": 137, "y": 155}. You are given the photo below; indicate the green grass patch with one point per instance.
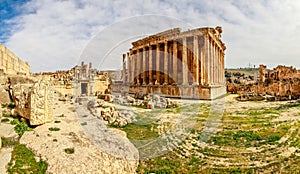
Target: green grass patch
{"x": 54, "y": 129}
{"x": 4, "y": 120}
{"x": 6, "y": 115}
{"x": 21, "y": 126}
{"x": 23, "y": 161}
{"x": 139, "y": 132}
{"x": 7, "y": 143}
{"x": 11, "y": 105}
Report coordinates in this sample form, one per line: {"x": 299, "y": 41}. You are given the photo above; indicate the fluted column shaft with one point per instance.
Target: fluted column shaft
{"x": 150, "y": 65}
{"x": 157, "y": 65}
{"x": 124, "y": 69}
{"x": 144, "y": 71}
{"x": 175, "y": 64}
{"x": 206, "y": 66}
{"x": 184, "y": 63}
{"x": 196, "y": 61}
{"x": 129, "y": 68}
{"x": 166, "y": 63}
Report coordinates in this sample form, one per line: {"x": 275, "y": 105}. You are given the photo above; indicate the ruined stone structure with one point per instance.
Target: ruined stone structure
{"x": 67, "y": 83}
{"x": 84, "y": 80}
{"x": 62, "y": 80}
{"x": 281, "y": 83}
{"x": 11, "y": 64}
{"x": 172, "y": 63}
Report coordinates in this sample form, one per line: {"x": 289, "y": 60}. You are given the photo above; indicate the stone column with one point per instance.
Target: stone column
{"x": 175, "y": 64}
{"x": 223, "y": 67}
{"x": 138, "y": 66}
{"x": 211, "y": 62}
{"x": 128, "y": 69}
{"x": 184, "y": 62}
{"x": 157, "y": 65}
{"x": 150, "y": 65}
{"x": 202, "y": 61}
{"x": 196, "y": 61}
{"x": 144, "y": 71}
{"x": 133, "y": 56}
{"x": 215, "y": 63}
{"x": 206, "y": 60}
{"x": 166, "y": 63}
{"x": 124, "y": 69}
{"x": 219, "y": 66}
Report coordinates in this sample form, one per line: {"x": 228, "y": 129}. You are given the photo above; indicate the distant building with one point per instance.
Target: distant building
{"x": 84, "y": 80}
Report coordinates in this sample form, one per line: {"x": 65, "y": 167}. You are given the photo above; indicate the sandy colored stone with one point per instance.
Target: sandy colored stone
{"x": 4, "y": 95}
{"x": 5, "y": 157}
{"x": 34, "y": 101}
{"x": 87, "y": 158}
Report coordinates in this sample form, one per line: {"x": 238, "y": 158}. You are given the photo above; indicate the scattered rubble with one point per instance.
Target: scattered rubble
{"x": 103, "y": 109}
{"x": 141, "y": 100}
{"x": 106, "y": 112}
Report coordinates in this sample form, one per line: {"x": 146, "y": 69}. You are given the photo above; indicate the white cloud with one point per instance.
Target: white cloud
{"x": 52, "y": 34}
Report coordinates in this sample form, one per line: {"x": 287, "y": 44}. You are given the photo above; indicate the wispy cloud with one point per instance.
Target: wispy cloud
{"x": 53, "y": 34}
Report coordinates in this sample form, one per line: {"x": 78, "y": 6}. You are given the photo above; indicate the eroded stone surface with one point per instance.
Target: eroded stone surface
{"x": 87, "y": 157}
{"x": 33, "y": 100}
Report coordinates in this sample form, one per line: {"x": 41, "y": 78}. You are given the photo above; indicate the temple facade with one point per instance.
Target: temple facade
{"x": 173, "y": 63}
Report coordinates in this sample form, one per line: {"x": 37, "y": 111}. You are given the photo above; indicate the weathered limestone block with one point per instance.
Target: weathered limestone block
{"x": 34, "y": 101}
{"x": 0, "y": 125}
{"x": 42, "y": 95}
{"x": 4, "y": 95}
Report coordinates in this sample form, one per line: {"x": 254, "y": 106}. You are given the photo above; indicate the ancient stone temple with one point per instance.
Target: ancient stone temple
{"x": 84, "y": 80}
{"x": 188, "y": 64}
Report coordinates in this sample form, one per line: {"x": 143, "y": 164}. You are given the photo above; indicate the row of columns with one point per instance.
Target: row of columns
{"x": 207, "y": 66}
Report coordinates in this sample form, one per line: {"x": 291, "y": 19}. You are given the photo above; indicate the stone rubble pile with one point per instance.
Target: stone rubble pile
{"x": 101, "y": 110}
{"x": 148, "y": 101}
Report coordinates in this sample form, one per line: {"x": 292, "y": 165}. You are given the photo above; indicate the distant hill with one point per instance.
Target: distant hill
{"x": 246, "y": 71}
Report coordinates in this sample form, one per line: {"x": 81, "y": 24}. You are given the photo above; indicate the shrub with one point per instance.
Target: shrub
{"x": 69, "y": 150}
{"x": 83, "y": 124}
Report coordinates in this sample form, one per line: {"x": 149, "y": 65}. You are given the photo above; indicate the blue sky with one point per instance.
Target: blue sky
{"x": 57, "y": 34}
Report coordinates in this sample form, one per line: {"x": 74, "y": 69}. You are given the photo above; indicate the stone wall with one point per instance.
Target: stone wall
{"x": 12, "y": 64}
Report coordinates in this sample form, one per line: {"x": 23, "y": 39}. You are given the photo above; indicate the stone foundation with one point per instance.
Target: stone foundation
{"x": 173, "y": 91}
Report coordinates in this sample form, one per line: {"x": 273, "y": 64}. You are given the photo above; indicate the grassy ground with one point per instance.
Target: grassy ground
{"x": 260, "y": 139}
{"x": 23, "y": 159}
